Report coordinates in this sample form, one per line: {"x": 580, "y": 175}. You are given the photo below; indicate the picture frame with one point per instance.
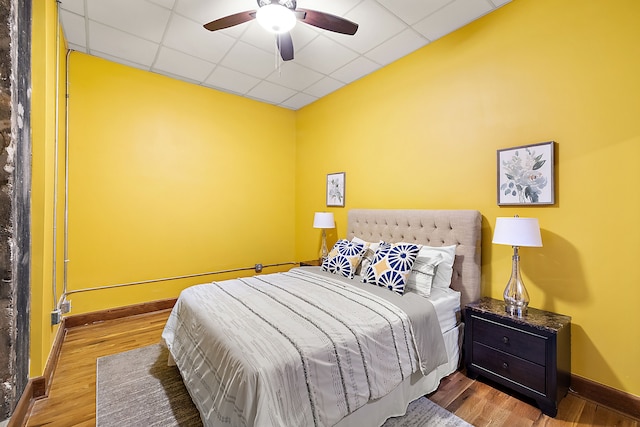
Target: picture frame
{"x": 335, "y": 189}
{"x": 526, "y": 175}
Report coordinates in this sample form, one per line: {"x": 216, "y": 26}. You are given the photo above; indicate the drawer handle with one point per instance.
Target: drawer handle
{"x": 505, "y": 365}
{"x": 505, "y": 340}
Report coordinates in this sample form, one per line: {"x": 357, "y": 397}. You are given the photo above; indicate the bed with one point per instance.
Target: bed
{"x": 312, "y": 347}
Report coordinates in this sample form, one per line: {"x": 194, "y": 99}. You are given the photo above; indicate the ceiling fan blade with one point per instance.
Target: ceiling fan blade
{"x": 285, "y": 46}
{"x": 231, "y": 20}
{"x": 326, "y": 21}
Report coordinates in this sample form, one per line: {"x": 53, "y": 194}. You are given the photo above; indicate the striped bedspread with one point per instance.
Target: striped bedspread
{"x": 294, "y": 349}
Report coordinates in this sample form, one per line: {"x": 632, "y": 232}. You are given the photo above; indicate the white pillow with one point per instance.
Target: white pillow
{"x": 370, "y": 251}
{"x": 444, "y": 270}
{"x": 420, "y": 279}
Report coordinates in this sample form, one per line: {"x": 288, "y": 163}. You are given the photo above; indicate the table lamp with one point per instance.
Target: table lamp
{"x": 516, "y": 232}
{"x": 323, "y": 220}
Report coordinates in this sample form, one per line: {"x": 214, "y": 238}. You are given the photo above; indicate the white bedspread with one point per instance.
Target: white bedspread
{"x": 295, "y": 349}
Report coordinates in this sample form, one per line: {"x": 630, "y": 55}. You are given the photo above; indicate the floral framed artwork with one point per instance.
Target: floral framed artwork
{"x": 335, "y": 189}
{"x": 526, "y": 175}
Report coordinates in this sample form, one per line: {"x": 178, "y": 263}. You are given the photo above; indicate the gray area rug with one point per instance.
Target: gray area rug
{"x": 137, "y": 388}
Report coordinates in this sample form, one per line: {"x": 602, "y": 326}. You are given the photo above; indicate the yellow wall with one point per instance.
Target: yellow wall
{"x": 423, "y": 133}
{"x": 170, "y": 179}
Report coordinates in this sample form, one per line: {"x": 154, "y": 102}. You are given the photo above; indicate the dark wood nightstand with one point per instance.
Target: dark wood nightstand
{"x": 311, "y": 263}
{"x": 530, "y": 355}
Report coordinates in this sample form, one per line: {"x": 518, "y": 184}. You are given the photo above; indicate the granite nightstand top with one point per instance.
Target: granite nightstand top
{"x": 536, "y": 318}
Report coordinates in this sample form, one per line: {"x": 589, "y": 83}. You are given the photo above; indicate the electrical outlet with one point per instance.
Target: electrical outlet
{"x": 65, "y": 307}
{"x": 55, "y": 317}
{"x": 258, "y": 268}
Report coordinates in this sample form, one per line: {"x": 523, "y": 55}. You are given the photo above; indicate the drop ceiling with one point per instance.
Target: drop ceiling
{"x": 167, "y": 37}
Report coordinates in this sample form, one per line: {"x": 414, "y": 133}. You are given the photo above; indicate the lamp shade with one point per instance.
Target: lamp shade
{"x": 323, "y": 220}
{"x": 516, "y": 231}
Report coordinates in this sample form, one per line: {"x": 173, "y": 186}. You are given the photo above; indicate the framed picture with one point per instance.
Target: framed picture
{"x": 335, "y": 189}
{"x": 525, "y": 175}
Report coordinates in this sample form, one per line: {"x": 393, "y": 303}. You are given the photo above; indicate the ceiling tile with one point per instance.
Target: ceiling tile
{"x": 259, "y": 37}
{"x": 412, "y": 11}
{"x": 355, "y": 69}
{"x": 119, "y": 44}
{"x": 324, "y": 87}
{"x": 294, "y": 76}
{"x": 298, "y": 101}
{"x": 181, "y": 64}
{"x": 249, "y": 59}
{"x": 74, "y": 27}
{"x": 452, "y": 17}
{"x": 375, "y": 25}
{"x": 75, "y": 6}
{"x": 396, "y": 47}
{"x": 230, "y": 80}
{"x": 334, "y": 7}
{"x": 164, "y": 3}
{"x": 271, "y": 92}
{"x": 190, "y": 37}
{"x": 119, "y": 60}
{"x": 204, "y": 11}
{"x": 140, "y": 18}
{"x": 324, "y": 55}
{"x": 303, "y": 34}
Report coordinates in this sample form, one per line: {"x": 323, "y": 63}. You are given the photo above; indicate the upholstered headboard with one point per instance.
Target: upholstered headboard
{"x": 433, "y": 228}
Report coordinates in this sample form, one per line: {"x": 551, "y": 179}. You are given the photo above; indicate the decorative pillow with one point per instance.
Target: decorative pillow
{"x": 444, "y": 270}
{"x": 370, "y": 251}
{"x": 391, "y": 265}
{"x": 344, "y": 258}
{"x": 423, "y": 271}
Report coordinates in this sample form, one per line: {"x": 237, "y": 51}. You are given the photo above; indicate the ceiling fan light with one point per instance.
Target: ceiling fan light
{"x": 276, "y": 18}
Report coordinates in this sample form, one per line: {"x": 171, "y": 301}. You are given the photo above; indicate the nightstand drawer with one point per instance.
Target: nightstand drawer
{"x": 513, "y": 368}
{"x": 519, "y": 343}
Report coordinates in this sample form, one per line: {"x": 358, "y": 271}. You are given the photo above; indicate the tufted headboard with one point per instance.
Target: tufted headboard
{"x": 432, "y": 228}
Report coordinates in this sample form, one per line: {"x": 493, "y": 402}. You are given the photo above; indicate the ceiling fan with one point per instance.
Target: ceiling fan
{"x": 279, "y": 17}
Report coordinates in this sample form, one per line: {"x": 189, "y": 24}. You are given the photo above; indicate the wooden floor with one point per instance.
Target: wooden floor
{"x": 72, "y": 397}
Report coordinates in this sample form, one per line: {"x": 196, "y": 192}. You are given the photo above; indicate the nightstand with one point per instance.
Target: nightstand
{"x": 311, "y": 263}
{"x": 530, "y": 355}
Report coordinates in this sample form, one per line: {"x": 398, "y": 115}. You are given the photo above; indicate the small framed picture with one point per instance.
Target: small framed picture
{"x": 526, "y": 175}
{"x": 335, "y": 189}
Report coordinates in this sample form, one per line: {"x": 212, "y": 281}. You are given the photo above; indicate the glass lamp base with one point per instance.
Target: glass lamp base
{"x": 323, "y": 250}
{"x": 516, "y": 310}
{"x": 516, "y": 297}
